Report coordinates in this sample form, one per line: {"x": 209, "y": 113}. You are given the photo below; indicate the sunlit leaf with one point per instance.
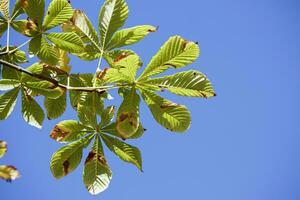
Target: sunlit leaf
{"x": 17, "y": 10}
{"x": 56, "y": 107}
{"x": 43, "y": 50}
{"x": 70, "y": 42}
{"x": 188, "y": 83}
{"x": 124, "y": 151}
{"x": 128, "y": 118}
{"x": 35, "y": 10}
{"x": 129, "y": 36}
{"x": 33, "y": 114}
{"x": 112, "y": 130}
{"x": 96, "y": 174}
{"x": 67, "y": 159}
{"x": 69, "y": 131}
{"x": 4, "y": 8}
{"x": 82, "y": 24}
{"x": 3, "y": 148}
{"x": 107, "y": 116}
{"x": 7, "y": 103}
{"x": 45, "y": 88}
{"x": 112, "y": 16}
{"x": 8, "y": 84}
{"x": 170, "y": 115}
{"x": 25, "y": 27}
{"x": 175, "y": 53}
{"x": 8, "y": 173}
{"x": 58, "y": 12}
{"x": 3, "y": 27}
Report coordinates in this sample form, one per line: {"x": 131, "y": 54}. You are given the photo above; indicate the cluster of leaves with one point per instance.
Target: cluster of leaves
{"x": 7, "y": 172}
{"x": 52, "y": 78}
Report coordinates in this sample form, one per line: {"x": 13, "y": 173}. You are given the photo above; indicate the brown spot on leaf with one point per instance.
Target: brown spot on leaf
{"x": 24, "y": 3}
{"x": 66, "y": 165}
{"x": 120, "y": 57}
{"x": 102, "y": 74}
{"x": 123, "y": 117}
{"x": 58, "y": 133}
{"x": 90, "y": 157}
{"x": 102, "y": 160}
{"x": 152, "y": 30}
{"x": 184, "y": 44}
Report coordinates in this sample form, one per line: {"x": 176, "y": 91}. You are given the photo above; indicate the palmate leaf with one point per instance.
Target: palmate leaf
{"x": 8, "y": 84}
{"x": 4, "y": 8}
{"x": 176, "y": 53}
{"x": 170, "y": 115}
{"x": 129, "y": 36}
{"x": 58, "y": 12}
{"x": 70, "y": 42}
{"x": 35, "y": 9}
{"x": 7, "y": 103}
{"x": 3, "y": 148}
{"x": 112, "y": 16}
{"x": 188, "y": 83}
{"x": 128, "y": 118}
{"x": 96, "y": 174}
{"x": 124, "y": 151}
{"x": 67, "y": 159}
{"x": 69, "y": 131}
{"x": 9, "y": 173}
{"x": 33, "y": 114}
{"x": 56, "y": 107}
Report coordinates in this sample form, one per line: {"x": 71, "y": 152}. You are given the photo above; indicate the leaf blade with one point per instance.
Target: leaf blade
{"x": 58, "y": 12}
{"x": 176, "y": 52}
{"x": 124, "y": 151}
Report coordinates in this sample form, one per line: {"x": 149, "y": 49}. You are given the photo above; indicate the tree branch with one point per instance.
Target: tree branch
{"x": 56, "y": 83}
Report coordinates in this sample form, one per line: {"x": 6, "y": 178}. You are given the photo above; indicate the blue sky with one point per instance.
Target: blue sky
{"x": 242, "y": 145}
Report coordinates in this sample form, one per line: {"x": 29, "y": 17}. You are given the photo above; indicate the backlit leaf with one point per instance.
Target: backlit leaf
{"x": 35, "y": 10}
{"x": 3, "y": 148}
{"x": 170, "y": 115}
{"x": 124, "y": 151}
{"x": 175, "y": 53}
{"x": 96, "y": 174}
{"x": 70, "y": 42}
{"x": 33, "y": 114}
{"x": 129, "y": 36}
{"x": 69, "y": 131}
{"x": 58, "y": 12}
{"x": 112, "y": 16}
{"x": 67, "y": 159}
{"x": 56, "y": 107}
{"x": 8, "y": 84}
{"x": 8, "y": 173}
{"x": 7, "y": 103}
{"x": 128, "y": 118}
{"x": 188, "y": 83}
